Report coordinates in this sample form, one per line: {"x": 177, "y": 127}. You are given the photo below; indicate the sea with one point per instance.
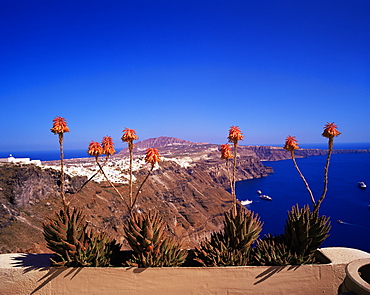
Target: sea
{"x": 47, "y": 155}
{"x": 344, "y": 202}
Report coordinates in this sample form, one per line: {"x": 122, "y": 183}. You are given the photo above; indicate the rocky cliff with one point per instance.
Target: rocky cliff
{"x": 270, "y": 153}
{"x": 26, "y": 194}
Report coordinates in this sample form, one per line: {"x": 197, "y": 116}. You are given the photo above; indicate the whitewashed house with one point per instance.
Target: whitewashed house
{"x": 11, "y": 159}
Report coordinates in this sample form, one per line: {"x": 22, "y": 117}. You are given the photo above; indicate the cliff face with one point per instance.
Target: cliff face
{"x": 25, "y": 191}
{"x": 25, "y": 184}
{"x": 270, "y": 153}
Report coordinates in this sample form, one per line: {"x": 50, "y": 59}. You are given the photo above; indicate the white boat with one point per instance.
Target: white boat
{"x": 361, "y": 184}
{"x": 259, "y": 192}
{"x": 246, "y": 202}
{"x": 266, "y": 197}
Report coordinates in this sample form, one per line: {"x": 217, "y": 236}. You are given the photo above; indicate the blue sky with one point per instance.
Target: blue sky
{"x": 187, "y": 69}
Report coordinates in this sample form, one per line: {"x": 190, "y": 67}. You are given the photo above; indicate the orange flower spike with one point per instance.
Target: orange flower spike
{"x": 152, "y": 156}
{"x": 235, "y": 134}
{"x": 95, "y": 149}
{"x": 108, "y": 146}
{"x": 226, "y": 152}
{"x": 291, "y": 144}
{"x": 129, "y": 135}
{"x": 330, "y": 130}
{"x": 59, "y": 126}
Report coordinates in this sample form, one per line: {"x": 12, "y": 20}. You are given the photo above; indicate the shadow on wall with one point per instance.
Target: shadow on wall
{"x": 42, "y": 262}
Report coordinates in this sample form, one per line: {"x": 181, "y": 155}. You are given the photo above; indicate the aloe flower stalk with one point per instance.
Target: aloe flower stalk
{"x": 291, "y": 144}
{"x": 60, "y": 127}
{"x": 234, "y": 136}
{"x": 96, "y": 149}
{"x": 106, "y": 148}
{"x": 227, "y": 155}
{"x": 330, "y": 131}
{"x": 152, "y": 157}
{"x": 129, "y": 135}
{"x": 226, "y": 152}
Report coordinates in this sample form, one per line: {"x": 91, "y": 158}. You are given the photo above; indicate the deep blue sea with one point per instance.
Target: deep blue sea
{"x": 46, "y": 155}
{"x": 344, "y": 200}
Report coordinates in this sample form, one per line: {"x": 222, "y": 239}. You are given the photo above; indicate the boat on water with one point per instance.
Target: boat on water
{"x": 266, "y": 197}
{"x": 259, "y": 192}
{"x": 362, "y": 185}
{"x": 246, "y": 202}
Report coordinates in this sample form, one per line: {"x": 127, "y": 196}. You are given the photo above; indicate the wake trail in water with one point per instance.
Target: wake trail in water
{"x": 354, "y": 225}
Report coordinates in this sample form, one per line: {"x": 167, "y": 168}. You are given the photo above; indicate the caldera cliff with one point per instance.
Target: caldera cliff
{"x": 188, "y": 188}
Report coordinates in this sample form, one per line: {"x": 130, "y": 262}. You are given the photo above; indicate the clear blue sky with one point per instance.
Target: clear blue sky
{"x": 187, "y": 69}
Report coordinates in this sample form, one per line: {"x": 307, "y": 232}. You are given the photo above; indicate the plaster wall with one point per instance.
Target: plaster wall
{"x": 30, "y": 274}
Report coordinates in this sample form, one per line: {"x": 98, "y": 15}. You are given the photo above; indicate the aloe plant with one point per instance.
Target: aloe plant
{"x": 74, "y": 244}
{"x": 232, "y": 245}
{"x": 305, "y": 231}
{"x": 272, "y": 250}
{"x": 145, "y": 233}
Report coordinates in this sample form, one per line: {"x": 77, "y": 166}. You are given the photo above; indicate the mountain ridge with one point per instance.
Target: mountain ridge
{"x": 159, "y": 142}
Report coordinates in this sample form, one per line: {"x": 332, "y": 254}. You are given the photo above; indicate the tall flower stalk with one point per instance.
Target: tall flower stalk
{"x": 106, "y": 148}
{"x": 95, "y": 149}
{"x": 234, "y": 136}
{"x": 152, "y": 157}
{"x": 60, "y": 127}
{"x": 330, "y": 131}
{"x": 129, "y": 135}
{"x": 227, "y": 155}
{"x": 291, "y": 144}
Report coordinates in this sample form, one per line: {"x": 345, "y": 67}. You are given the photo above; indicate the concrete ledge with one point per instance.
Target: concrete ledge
{"x": 358, "y": 277}
{"x": 340, "y": 255}
{"x": 31, "y": 274}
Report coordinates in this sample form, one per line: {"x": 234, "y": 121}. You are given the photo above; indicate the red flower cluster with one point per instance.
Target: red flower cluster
{"x": 105, "y": 148}
{"x": 152, "y": 156}
{"x": 291, "y": 144}
{"x": 235, "y": 134}
{"x": 129, "y": 135}
{"x": 330, "y": 130}
{"x": 226, "y": 152}
{"x": 108, "y": 146}
{"x": 95, "y": 149}
{"x": 59, "y": 126}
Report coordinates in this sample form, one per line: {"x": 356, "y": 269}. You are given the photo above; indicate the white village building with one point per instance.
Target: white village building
{"x": 11, "y": 159}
